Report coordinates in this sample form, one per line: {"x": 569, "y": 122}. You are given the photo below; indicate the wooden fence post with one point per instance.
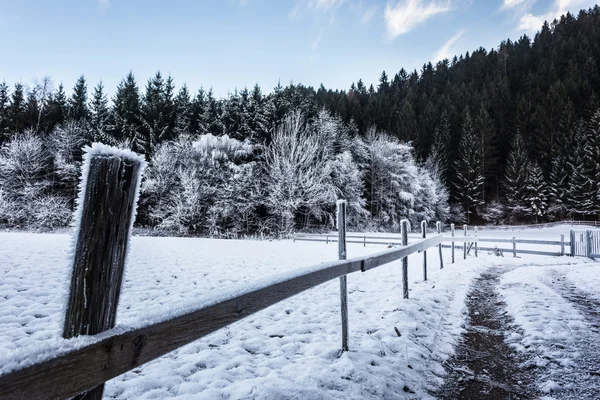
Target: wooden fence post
{"x": 465, "y": 243}
{"x": 514, "y": 243}
{"x": 476, "y": 242}
{"x": 588, "y": 243}
{"x": 438, "y": 226}
{"x": 105, "y": 214}
{"x": 424, "y": 232}
{"x": 341, "y": 223}
{"x": 562, "y": 245}
{"x": 404, "y": 234}
{"x": 572, "y": 243}
{"x": 452, "y": 231}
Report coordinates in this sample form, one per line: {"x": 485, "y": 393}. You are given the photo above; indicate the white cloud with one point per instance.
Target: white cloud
{"x": 407, "y": 14}
{"x": 531, "y": 23}
{"x": 447, "y": 50}
{"x": 506, "y": 4}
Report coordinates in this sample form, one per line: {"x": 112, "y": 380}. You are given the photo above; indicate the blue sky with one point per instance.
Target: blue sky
{"x": 230, "y": 44}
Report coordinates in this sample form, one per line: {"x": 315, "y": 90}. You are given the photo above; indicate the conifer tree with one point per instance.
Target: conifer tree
{"x": 199, "y": 105}
{"x": 17, "y": 109}
{"x": 183, "y": 111}
{"x": 439, "y": 157}
{"x": 560, "y": 171}
{"x": 583, "y": 192}
{"x": 213, "y": 115}
{"x": 100, "y": 116}
{"x": 126, "y": 111}
{"x": 469, "y": 180}
{"x": 78, "y": 108}
{"x": 57, "y": 108}
{"x": 4, "y": 112}
{"x": 537, "y": 192}
{"x": 516, "y": 177}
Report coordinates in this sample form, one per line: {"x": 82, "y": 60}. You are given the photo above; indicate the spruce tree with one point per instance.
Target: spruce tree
{"x": 183, "y": 111}
{"x": 126, "y": 111}
{"x": 17, "y": 109}
{"x": 537, "y": 192}
{"x": 57, "y": 108}
{"x": 469, "y": 179}
{"x": 213, "y": 115}
{"x": 78, "y": 108}
{"x": 515, "y": 179}
{"x": 582, "y": 186}
{"x": 4, "y": 112}
{"x": 485, "y": 127}
{"x": 199, "y": 105}
{"x": 560, "y": 171}
{"x": 100, "y": 116}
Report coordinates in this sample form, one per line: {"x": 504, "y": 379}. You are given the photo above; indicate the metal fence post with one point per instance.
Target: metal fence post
{"x": 106, "y": 214}
{"x": 341, "y": 223}
{"x": 438, "y": 225}
{"x": 424, "y": 232}
{"x": 452, "y": 246}
{"x": 404, "y": 234}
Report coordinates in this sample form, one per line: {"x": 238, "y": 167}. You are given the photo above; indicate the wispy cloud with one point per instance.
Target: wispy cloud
{"x": 407, "y": 14}
{"x": 447, "y": 50}
{"x": 103, "y": 4}
{"x": 529, "y": 22}
{"x": 367, "y": 16}
{"x": 506, "y": 4}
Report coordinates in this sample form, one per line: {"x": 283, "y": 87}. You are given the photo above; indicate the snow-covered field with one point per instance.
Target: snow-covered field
{"x": 290, "y": 350}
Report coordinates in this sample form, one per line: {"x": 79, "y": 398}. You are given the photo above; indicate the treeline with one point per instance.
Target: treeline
{"x": 531, "y": 100}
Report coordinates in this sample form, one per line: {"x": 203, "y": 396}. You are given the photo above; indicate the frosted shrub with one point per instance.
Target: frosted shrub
{"x": 50, "y": 212}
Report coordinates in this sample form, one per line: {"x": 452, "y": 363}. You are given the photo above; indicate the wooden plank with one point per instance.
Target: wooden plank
{"x": 82, "y": 369}
{"x": 404, "y": 233}
{"x": 424, "y": 233}
{"x": 536, "y": 252}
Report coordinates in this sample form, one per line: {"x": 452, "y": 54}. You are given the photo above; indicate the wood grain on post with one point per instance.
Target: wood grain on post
{"x": 424, "y": 232}
{"x": 452, "y": 231}
{"x": 341, "y": 223}
{"x": 438, "y": 225}
{"x": 404, "y": 234}
{"x": 106, "y": 216}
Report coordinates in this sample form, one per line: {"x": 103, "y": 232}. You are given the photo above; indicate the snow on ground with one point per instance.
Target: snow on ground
{"x": 290, "y": 350}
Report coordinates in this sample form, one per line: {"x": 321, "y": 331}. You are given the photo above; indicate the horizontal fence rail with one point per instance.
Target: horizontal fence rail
{"x": 79, "y": 370}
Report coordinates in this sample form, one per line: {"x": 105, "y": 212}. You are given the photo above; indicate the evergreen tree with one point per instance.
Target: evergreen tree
{"x": 199, "y": 105}
{"x": 155, "y": 114}
{"x": 4, "y": 112}
{"x": 17, "y": 109}
{"x": 439, "y": 157}
{"x": 537, "y": 192}
{"x": 57, "y": 108}
{"x": 100, "y": 116}
{"x": 184, "y": 112}
{"x": 489, "y": 160}
{"x": 213, "y": 115}
{"x": 78, "y": 108}
{"x": 469, "y": 179}
{"x": 560, "y": 171}
{"x": 126, "y": 111}
{"x": 515, "y": 179}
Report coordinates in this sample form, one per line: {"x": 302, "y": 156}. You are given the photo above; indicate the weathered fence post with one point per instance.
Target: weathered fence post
{"x": 572, "y": 243}
{"x": 365, "y": 240}
{"x": 588, "y": 243}
{"x": 326, "y": 239}
{"x": 105, "y": 215}
{"x": 341, "y": 223}
{"x": 424, "y": 232}
{"x": 562, "y": 245}
{"x": 465, "y": 242}
{"x": 404, "y": 234}
{"x": 452, "y": 231}
{"x": 514, "y": 243}
{"x": 476, "y": 242}
{"x": 438, "y": 226}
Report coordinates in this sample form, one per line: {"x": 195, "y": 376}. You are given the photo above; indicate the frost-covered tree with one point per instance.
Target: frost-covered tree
{"x": 184, "y": 112}
{"x": 469, "y": 178}
{"x": 298, "y": 173}
{"x": 156, "y": 114}
{"x": 536, "y": 192}
{"x": 583, "y": 185}
{"x": 515, "y": 179}
{"x": 78, "y": 108}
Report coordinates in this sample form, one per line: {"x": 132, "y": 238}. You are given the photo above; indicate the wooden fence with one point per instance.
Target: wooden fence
{"x": 107, "y": 209}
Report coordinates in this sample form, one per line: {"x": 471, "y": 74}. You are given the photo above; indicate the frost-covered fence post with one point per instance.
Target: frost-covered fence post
{"x": 562, "y": 245}
{"x": 438, "y": 226}
{"x": 572, "y": 243}
{"x": 404, "y": 234}
{"x": 588, "y": 243}
{"x": 514, "y": 243}
{"x": 475, "y": 241}
{"x": 424, "y": 232}
{"x": 465, "y": 243}
{"x": 452, "y": 231}
{"x": 105, "y": 213}
{"x": 341, "y": 224}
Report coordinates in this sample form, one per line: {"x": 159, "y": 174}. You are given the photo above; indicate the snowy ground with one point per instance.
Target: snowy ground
{"x": 289, "y": 350}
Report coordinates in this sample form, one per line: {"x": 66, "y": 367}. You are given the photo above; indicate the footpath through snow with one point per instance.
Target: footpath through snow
{"x": 398, "y": 348}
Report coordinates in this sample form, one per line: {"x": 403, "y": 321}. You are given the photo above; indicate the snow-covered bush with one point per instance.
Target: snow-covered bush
{"x": 50, "y": 212}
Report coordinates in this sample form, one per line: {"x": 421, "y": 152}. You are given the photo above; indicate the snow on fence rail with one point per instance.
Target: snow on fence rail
{"x": 84, "y": 366}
